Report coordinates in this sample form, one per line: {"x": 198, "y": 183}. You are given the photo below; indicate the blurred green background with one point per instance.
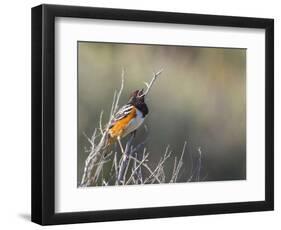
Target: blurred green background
{"x": 199, "y": 98}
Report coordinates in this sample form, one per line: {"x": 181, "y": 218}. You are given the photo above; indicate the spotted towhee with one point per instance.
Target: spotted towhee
{"x": 128, "y": 118}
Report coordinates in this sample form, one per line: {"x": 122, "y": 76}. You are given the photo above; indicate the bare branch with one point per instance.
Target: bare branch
{"x": 148, "y": 86}
{"x": 199, "y": 164}
{"x": 125, "y": 159}
{"x": 148, "y": 168}
{"x": 120, "y": 92}
{"x": 162, "y": 161}
{"x": 101, "y": 129}
{"x": 135, "y": 170}
{"x": 180, "y": 163}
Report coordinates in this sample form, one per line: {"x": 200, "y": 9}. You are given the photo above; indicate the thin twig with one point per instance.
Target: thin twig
{"x": 180, "y": 163}
{"x": 161, "y": 162}
{"x": 135, "y": 170}
{"x": 148, "y": 86}
{"x": 126, "y": 154}
{"x": 199, "y": 164}
{"x": 101, "y": 129}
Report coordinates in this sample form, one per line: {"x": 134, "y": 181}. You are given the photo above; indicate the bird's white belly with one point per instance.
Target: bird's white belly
{"x": 134, "y": 124}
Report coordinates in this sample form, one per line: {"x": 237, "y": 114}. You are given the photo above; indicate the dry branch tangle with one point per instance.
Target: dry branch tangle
{"x": 99, "y": 156}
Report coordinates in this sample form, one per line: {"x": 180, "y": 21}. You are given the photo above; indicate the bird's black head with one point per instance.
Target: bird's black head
{"x": 137, "y": 99}
{"x": 137, "y": 96}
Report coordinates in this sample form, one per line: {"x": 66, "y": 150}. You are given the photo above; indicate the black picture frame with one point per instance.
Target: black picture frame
{"x": 43, "y": 114}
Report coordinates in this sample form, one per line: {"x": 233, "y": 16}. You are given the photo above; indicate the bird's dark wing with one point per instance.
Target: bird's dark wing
{"x": 121, "y": 113}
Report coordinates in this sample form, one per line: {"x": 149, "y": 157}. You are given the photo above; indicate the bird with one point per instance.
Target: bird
{"x": 128, "y": 118}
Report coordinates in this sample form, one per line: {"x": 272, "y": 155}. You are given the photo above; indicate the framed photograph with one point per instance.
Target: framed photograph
{"x": 141, "y": 114}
